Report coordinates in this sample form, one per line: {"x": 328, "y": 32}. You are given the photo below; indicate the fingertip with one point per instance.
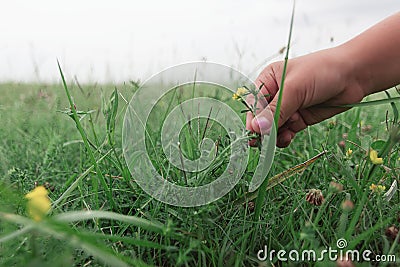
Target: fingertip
{"x": 261, "y": 125}
{"x": 249, "y": 118}
{"x": 285, "y": 138}
{"x": 255, "y": 126}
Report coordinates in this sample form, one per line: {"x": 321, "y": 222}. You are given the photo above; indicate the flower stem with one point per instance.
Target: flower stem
{"x": 33, "y": 244}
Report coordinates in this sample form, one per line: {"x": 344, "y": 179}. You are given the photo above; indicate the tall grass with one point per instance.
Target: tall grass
{"x": 100, "y": 216}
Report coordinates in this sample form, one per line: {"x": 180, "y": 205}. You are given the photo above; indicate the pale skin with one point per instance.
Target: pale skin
{"x": 345, "y": 74}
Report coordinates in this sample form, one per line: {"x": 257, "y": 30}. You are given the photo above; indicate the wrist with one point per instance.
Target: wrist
{"x": 354, "y": 72}
{"x": 374, "y": 56}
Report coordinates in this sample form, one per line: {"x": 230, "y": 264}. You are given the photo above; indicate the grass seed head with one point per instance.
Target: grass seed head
{"x": 315, "y": 197}
{"x": 336, "y": 187}
{"x": 347, "y": 205}
{"x": 392, "y": 232}
{"x": 250, "y": 206}
{"x": 342, "y": 144}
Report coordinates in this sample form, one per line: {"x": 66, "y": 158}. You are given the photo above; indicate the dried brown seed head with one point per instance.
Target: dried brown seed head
{"x": 250, "y": 206}
{"x": 315, "y": 197}
{"x": 391, "y": 232}
{"x": 342, "y": 144}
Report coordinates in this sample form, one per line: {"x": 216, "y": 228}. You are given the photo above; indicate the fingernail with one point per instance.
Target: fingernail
{"x": 263, "y": 124}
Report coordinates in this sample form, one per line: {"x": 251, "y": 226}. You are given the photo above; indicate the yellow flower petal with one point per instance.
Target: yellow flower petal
{"x": 349, "y": 152}
{"x": 39, "y": 191}
{"x": 373, "y": 155}
{"x": 378, "y": 189}
{"x": 38, "y": 203}
{"x": 241, "y": 91}
{"x": 372, "y": 187}
{"x": 38, "y": 207}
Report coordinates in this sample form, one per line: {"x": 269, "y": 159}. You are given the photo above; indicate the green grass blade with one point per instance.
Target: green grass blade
{"x": 280, "y": 178}
{"x": 87, "y": 145}
{"x": 354, "y": 241}
{"x": 74, "y": 216}
{"x": 394, "y": 108}
{"x": 130, "y": 240}
{"x": 15, "y": 234}
{"x": 262, "y": 189}
{"x": 72, "y": 187}
{"x": 58, "y": 229}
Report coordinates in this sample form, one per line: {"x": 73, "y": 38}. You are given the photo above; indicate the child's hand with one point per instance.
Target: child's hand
{"x": 313, "y": 83}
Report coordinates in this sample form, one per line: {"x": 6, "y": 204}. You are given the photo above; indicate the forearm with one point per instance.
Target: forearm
{"x": 374, "y": 56}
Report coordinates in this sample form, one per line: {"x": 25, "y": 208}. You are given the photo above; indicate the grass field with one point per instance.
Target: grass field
{"x": 42, "y": 145}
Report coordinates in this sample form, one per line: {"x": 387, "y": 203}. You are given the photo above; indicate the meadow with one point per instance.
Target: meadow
{"x": 100, "y": 216}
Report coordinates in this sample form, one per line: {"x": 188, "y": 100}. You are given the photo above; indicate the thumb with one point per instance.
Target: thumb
{"x": 264, "y": 120}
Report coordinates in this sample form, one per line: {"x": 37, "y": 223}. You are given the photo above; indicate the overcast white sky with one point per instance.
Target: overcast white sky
{"x": 116, "y": 41}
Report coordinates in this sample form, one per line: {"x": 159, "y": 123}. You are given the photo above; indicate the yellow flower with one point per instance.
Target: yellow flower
{"x": 348, "y": 153}
{"x": 38, "y": 203}
{"x": 241, "y": 91}
{"x": 379, "y": 189}
{"x": 373, "y": 155}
